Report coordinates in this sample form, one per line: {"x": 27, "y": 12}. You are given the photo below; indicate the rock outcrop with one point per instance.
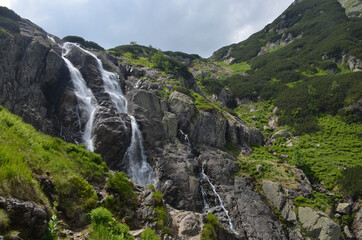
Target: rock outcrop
{"x": 318, "y": 224}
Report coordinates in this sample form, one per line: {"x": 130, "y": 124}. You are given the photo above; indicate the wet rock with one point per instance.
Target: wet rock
{"x": 112, "y": 137}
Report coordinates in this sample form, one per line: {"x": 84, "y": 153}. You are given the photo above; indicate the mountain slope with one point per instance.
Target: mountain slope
{"x": 311, "y": 45}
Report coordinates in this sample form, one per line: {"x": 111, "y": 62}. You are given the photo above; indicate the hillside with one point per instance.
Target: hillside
{"x": 261, "y": 141}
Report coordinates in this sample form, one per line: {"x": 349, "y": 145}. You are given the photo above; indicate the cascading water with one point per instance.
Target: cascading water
{"x": 204, "y": 196}
{"x": 87, "y": 103}
{"x": 139, "y": 170}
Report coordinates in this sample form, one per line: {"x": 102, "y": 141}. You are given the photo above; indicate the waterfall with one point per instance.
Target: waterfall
{"x": 186, "y": 137}
{"x": 139, "y": 170}
{"x": 205, "y": 177}
{"x": 87, "y": 103}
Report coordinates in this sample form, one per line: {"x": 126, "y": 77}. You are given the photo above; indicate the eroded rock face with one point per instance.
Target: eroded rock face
{"x": 188, "y": 224}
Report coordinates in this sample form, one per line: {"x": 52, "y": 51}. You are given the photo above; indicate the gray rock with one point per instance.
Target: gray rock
{"x": 318, "y": 224}
{"x": 209, "y": 128}
{"x": 274, "y": 193}
{"x": 347, "y": 232}
{"x": 169, "y": 122}
{"x": 357, "y": 224}
{"x": 183, "y": 106}
{"x": 282, "y": 133}
{"x": 343, "y": 208}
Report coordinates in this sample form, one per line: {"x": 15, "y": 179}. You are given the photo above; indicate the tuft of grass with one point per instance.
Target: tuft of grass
{"x": 4, "y": 221}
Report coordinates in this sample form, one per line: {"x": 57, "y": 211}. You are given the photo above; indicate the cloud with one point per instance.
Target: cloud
{"x": 197, "y": 26}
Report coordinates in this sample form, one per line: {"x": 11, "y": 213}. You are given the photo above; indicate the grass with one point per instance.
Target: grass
{"x": 26, "y": 154}
{"x": 237, "y": 68}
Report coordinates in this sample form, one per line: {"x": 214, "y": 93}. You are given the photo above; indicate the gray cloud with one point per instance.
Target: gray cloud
{"x": 192, "y": 26}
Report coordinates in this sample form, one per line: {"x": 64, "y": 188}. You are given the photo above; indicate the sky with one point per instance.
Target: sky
{"x": 190, "y": 26}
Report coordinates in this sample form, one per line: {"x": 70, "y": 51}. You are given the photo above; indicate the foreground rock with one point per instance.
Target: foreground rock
{"x": 26, "y": 215}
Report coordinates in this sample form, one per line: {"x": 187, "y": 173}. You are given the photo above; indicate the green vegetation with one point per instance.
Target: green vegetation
{"x": 350, "y": 181}
{"x": 8, "y": 20}
{"x": 120, "y": 184}
{"x": 106, "y": 227}
{"x": 330, "y": 156}
{"x": 83, "y": 42}
{"x": 4, "y": 221}
{"x": 157, "y": 198}
{"x": 149, "y": 234}
{"x": 26, "y": 154}
{"x": 208, "y": 232}
{"x": 170, "y": 65}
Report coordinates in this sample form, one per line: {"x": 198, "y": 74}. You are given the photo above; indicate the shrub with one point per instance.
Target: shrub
{"x": 157, "y": 197}
{"x": 101, "y": 215}
{"x": 149, "y": 234}
{"x": 76, "y": 195}
{"x": 351, "y": 181}
{"x": 83, "y": 42}
{"x": 120, "y": 184}
{"x": 208, "y": 232}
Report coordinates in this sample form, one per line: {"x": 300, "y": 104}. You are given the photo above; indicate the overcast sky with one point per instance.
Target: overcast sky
{"x": 191, "y": 26}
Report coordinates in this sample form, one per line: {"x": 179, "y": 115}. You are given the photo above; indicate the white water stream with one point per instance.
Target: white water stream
{"x": 139, "y": 170}
{"x": 206, "y": 205}
{"x": 87, "y": 103}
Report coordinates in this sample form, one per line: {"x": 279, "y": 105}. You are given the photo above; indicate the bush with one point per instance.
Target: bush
{"x": 101, "y": 215}
{"x": 149, "y": 234}
{"x": 83, "y": 42}
{"x": 351, "y": 181}
{"x": 120, "y": 184}
{"x": 208, "y": 232}
{"x": 157, "y": 197}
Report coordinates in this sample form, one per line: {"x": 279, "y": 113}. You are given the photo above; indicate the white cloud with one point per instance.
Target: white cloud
{"x": 197, "y": 26}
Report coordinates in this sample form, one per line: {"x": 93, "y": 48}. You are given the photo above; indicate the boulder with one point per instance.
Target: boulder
{"x": 26, "y": 215}
{"x": 282, "y": 133}
{"x": 277, "y": 196}
{"x": 343, "y": 208}
{"x": 357, "y": 224}
{"x": 318, "y": 225}
{"x": 188, "y": 225}
{"x": 274, "y": 193}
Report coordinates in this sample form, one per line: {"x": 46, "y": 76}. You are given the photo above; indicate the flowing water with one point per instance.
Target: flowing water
{"x": 87, "y": 103}
{"x": 204, "y": 196}
{"x": 139, "y": 170}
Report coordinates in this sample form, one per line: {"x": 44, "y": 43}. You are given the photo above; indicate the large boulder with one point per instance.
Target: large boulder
{"x": 276, "y": 194}
{"x": 26, "y": 215}
{"x": 318, "y": 225}
{"x": 188, "y": 225}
